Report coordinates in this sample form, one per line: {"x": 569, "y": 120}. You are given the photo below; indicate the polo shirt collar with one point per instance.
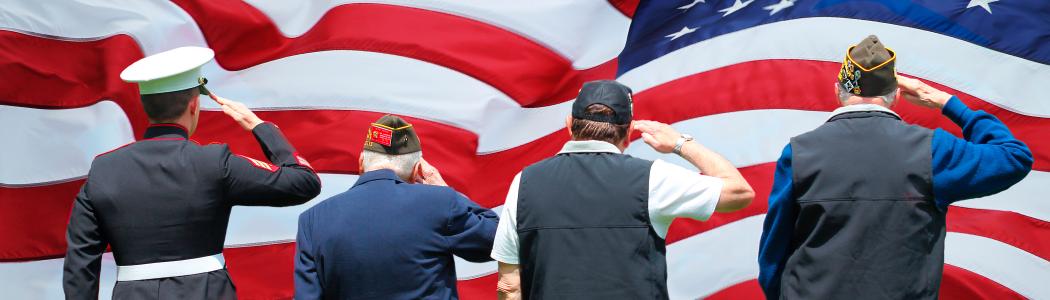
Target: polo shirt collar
{"x": 861, "y": 108}
{"x": 588, "y": 146}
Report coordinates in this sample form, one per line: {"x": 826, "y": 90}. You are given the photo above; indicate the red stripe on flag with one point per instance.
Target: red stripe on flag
{"x": 262, "y": 272}
{"x": 627, "y": 7}
{"x": 483, "y": 287}
{"x": 1017, "y": 230}
{"x": 532, "y": 74}
{"x": 959, "y": 283}
{"x": 48, "y": 73}
{"x": 740, "y": 291}
{"x": 33, "y": 220}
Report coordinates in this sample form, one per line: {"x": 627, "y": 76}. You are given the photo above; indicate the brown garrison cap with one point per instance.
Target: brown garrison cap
{"x": 392, "y": 135}
{"x": 868, "y": 69}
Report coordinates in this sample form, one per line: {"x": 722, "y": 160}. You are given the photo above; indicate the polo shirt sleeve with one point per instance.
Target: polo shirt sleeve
{"x": 505, "y": 246}
{"x": 676, "y": 192}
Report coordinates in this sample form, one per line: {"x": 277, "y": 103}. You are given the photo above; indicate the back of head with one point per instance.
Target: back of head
{"x": 868, "y": 72}
{"x": 602, "y": 112}
{"x": 583, "y": 129}
{"x": 168, "y": 107}
{"x": 391, "y": 143}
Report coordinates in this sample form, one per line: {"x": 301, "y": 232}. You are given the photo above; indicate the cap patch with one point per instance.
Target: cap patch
{"x": 379, "y": 134}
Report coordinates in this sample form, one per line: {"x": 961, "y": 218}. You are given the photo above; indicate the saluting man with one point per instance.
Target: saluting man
{"x": 162, "y": 203}
{"x": 857, "y": 209}
{"x": 393, "y": 234}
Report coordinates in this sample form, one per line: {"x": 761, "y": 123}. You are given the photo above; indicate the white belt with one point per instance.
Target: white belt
{"x": 171, "y": 268}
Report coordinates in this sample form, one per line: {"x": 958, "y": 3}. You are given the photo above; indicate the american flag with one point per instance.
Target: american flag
{"x": 488, "y": 85}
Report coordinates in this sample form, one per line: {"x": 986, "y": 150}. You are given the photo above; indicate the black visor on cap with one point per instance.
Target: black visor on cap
{"x": 610, "y": 93}
{"x": 204, "y": 90}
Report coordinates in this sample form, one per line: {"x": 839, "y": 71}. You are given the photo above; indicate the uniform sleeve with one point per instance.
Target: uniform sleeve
{"x": 505, "y": 246}
{"x": 676, "y": 192}
{"x": 988, "y": 161}
{"x": 307, "y": 277}
{"x": 470, "y": 229}
{"x": 86, "y": 244}
{"x": 775, "y": 243}
{"x": 288, "y": 180}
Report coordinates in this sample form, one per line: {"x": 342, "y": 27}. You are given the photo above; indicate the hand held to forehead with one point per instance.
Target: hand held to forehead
{"x": 660, "y": 136}
{"x": 922, "y": 94}
{"x": 238, "y": 112}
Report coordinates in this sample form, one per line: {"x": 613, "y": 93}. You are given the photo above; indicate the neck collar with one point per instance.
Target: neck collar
{"x": 861, "y": 108}
{"x": 166, "y": 130}
{"x": 588, "y": 147}
{"x": 381, "y": 174}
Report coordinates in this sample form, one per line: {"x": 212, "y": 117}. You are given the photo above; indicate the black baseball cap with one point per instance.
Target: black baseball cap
{"x": 610, "y": 93}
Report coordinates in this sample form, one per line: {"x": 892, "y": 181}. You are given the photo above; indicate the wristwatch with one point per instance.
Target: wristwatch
{"x": 681, "y": 142}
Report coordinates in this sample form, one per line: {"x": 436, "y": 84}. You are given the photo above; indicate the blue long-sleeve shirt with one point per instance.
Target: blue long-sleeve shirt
{"x": 988, "y": 161}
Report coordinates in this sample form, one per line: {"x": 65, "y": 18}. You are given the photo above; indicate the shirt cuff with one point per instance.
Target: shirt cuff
{"x": 505, "y": 258}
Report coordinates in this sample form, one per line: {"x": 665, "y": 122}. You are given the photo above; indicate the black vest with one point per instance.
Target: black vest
{"x": 584, "y": 230}
{"x": 867, "y": 225}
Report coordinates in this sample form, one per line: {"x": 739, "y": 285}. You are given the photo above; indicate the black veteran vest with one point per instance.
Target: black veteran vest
{"x": 867, "y": 225}
{"x": 584, "y": 230}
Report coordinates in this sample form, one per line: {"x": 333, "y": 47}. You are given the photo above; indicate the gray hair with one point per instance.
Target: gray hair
{"x": 402, "y": 164}
{"x": 887, "y": 98}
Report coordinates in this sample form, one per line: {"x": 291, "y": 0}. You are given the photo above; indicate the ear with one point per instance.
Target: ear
{"x": 417, "y": 172}
{"x": 568, "y": 125}
{"x": 627, "y": 139}
{"x": 361, "y": 163}
{"x": 194, "y": 105}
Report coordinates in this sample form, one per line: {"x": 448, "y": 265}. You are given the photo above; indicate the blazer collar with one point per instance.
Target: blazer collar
{"x": 381, "y": 174}
{"x": 166, "y": 130}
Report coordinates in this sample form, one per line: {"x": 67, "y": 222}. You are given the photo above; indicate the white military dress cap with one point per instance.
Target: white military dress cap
{"x": 173, "y": 70}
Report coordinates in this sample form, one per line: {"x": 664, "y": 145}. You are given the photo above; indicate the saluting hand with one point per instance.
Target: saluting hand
{"x": 922, "y": 94}
{"x": 427, "y": 174}
{"x": 238, "y": 111}
{"x": 660, "y": 136}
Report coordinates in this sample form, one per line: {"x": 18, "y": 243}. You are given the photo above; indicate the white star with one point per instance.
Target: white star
{"x": 775, "y": 8}
{"x": 982, "y": 3}
{"x": 685, "y": 30}
{"x": 690, "y": 5}
{"x": 736, "y": 6}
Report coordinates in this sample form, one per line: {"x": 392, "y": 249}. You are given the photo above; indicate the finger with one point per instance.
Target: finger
{"x": 645, "y": 126}
{"x": 911, "y": 97}
{"x": 908, "y": 83}
{"x": 215, "y": 98}
{"x": 649, "y": 139}
{"x": 237, "y": 116}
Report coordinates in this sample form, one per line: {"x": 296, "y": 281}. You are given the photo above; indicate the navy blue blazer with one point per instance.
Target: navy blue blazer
{"x": 388, "y": 239}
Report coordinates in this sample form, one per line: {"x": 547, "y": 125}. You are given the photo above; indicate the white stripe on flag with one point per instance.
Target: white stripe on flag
{"x": 48, "y": 145}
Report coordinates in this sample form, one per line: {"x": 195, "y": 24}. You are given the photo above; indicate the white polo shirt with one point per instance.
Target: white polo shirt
{"x": 674, "y": 192}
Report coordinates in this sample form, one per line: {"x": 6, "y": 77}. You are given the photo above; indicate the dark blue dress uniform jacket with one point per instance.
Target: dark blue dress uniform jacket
{"x": 167, "y": 198}
{"x": 388, "y": 239}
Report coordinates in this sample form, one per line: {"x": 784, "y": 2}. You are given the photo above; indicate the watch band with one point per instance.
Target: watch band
{"x": 681, "y": 143}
